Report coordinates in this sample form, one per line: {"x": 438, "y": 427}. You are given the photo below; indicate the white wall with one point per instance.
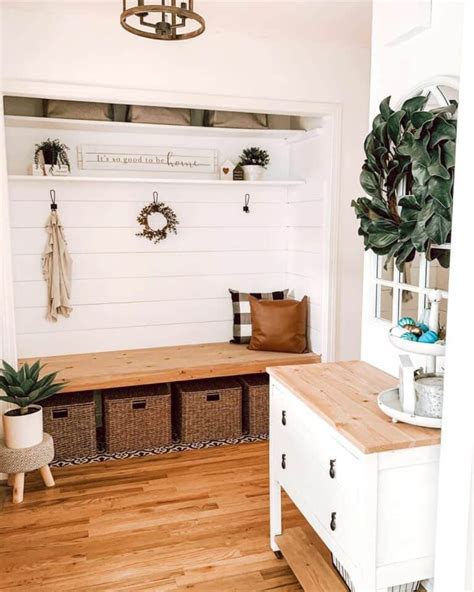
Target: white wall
{"x": 308, "y": 230}
{"x": 405, "y": 53}
{"x": 130, "y": 293}
{"x": 252, "y": 53}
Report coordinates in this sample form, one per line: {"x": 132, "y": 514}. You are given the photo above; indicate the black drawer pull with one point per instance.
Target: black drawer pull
{"x": 139, "y": 404}
{"x": 60, "y": 413}
{"x": 332, "y": 468}
{"x": 283, "y": 417}
{"x": 213, "y": 397}
{"x": 283, "y": 461}
{"x": 333, "y": 521}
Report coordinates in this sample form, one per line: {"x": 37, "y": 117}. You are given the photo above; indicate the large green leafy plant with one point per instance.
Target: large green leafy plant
{"x": 408, "y": 176}
{"x": 24, "y": 386}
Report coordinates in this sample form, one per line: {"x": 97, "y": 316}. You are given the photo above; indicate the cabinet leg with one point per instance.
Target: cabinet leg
{"x": 47, "y": 477}
{"x": 275, "y": 513}
{"x": 18, "y": 487}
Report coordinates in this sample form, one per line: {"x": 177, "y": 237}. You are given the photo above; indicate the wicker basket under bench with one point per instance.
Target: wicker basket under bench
{"x": 207, "y": 409}
{"x": 137, "y": 417}
{"x": 70, "y": 419}
{"x": 255, "y": 403}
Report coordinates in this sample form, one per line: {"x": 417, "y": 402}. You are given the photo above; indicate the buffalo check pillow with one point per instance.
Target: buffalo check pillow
{"x": 241, "y": 310}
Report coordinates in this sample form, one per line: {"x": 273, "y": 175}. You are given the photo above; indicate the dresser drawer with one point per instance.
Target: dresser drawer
{"x": 316, "y": 471}
{"x": 294, "y": 422}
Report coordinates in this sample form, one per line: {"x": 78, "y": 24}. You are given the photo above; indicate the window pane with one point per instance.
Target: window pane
{"x": 384, "y": 302}
{"x": 443, "y": 316}
{"x": 411, "y": 274}
{"x": 438, "y": 277}
{"x": 384, "y": 269}
{"x": 409, "y": 304}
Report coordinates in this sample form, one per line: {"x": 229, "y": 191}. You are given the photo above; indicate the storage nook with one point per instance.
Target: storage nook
{"x": 129, "y": 292}
{"x": 172, "y": 181}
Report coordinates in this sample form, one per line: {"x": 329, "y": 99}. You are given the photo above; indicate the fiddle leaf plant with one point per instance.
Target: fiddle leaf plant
{"x": 408, "y": 177}
{"x": 24, "y": 387}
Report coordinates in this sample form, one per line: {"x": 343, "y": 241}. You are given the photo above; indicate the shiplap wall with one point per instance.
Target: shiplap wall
{"x": 128, "y": 292}
{"x": 310, "y": 159}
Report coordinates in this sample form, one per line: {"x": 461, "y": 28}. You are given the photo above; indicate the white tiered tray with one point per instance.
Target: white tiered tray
{"x": 415, "y": 347}
{"x": 389, "y": 403}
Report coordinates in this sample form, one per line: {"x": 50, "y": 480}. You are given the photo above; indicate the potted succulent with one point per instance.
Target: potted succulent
{"x": 52, "y": 157}
{"x": 254, "y": 160}
{"x": 23, "y": 425}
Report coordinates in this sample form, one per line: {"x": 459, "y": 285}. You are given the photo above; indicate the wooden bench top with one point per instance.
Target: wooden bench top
{"x": 344, "y": 394}
{"x": 163, "y": 364}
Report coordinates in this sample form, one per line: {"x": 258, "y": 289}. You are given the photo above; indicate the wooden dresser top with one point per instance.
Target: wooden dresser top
{"x": 344, "y": 394}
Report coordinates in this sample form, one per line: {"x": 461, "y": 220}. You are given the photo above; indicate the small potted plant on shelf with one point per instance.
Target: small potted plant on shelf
{"x": 23, "y": 425}
{"x": 51, "y": 158}
{"x": 254, "y": 160}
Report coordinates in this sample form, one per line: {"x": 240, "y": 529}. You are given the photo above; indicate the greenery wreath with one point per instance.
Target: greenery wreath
{"x": 408, "y": 175}
{"x": 152, "y": 208}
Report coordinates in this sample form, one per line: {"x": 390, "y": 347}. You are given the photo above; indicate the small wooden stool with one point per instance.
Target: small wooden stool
{"x": 17, "y": 462}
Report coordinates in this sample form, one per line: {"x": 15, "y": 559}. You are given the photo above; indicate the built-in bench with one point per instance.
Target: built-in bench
{"x": 133, "y": 367}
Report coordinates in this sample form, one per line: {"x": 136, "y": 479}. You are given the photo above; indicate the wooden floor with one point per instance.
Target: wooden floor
{"x": 194, "y": 520}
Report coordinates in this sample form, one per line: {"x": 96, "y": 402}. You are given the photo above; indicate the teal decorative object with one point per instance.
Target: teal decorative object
{"x": 410, "y": 337}
{"x": 406, "y": 321}
{"x": 429, "y": 337}
{"x": 423, "y": 327}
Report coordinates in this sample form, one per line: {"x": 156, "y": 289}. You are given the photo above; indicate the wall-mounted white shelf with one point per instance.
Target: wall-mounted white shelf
{"x": 183, "y": 181}
{"x": 147, "y": 128}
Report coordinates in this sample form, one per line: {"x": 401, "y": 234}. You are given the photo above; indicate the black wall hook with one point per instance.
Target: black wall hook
{"x": 155, "y": 197}
{"x": 54, "y": 205}
{"x": 246, "y": 208}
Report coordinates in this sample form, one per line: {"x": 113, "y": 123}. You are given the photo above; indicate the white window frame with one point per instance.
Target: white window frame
{"x": 398, "y": 286}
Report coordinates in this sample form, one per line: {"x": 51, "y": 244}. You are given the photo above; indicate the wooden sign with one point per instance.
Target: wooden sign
{"x": 147, "y": 158}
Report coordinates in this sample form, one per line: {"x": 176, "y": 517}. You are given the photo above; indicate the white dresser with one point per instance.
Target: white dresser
{"x": 367, "y": 486}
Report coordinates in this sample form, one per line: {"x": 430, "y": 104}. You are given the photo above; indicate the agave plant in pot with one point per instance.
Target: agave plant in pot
{"x": 254, "y": 160}
{"x": 23, "y": 425}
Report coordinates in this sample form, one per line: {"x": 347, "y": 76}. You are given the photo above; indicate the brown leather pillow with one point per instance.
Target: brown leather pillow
{"x": 278, "y": 325}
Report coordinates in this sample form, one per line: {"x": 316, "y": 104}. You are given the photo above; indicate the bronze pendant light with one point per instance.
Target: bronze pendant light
{"x": 165, "y": 20}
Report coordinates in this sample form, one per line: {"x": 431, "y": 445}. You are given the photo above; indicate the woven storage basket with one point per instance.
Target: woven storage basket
{"x": 137, "y": 417}
{"x": 207, "y": 409}
{"x": 255, "y": 403}
{"x": 70, "y": 419}
{"x": 410, "y": 587}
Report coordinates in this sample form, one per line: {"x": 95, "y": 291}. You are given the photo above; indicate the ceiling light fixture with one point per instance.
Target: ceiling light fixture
{"x": 168, "y": 21}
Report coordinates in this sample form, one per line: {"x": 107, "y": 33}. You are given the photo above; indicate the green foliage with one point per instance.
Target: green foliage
{"x": 254, "y": 156}
{"x": 24, "y": 387}
{"x": 408, "y": 176}
{"x": 54, "y": 153}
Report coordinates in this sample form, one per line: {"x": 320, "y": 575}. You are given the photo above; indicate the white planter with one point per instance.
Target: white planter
{"x": 23, "y": 431}
{"x": 253, "y": 172}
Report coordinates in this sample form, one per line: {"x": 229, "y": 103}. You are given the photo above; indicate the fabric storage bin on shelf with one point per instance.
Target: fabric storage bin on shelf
{"x": 78, "y": 110}
{"x": 235, "y": 119}
{"x": 70, "y": 419}
{"x": 255, "y": 403}
{"x": 137, "y": 417}
{"x": 207, "y": 409}
{"x": 159, "y": 115}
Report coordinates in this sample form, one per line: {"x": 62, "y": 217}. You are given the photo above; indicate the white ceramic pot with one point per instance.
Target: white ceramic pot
{"x": 23, "y": 431}
{"x": 253, "y": 172}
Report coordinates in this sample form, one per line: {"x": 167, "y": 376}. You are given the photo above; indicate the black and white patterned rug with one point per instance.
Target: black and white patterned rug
{"x": 102, "y": 456}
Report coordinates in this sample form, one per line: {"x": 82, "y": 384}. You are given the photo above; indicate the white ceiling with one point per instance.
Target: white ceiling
{"x": 329, "y": 22}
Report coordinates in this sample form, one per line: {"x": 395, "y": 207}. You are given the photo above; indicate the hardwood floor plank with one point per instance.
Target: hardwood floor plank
{"x": 195, "y": 520}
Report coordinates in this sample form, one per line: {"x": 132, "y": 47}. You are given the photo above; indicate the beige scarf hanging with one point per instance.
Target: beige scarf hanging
{"x": 57, "y": 268}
